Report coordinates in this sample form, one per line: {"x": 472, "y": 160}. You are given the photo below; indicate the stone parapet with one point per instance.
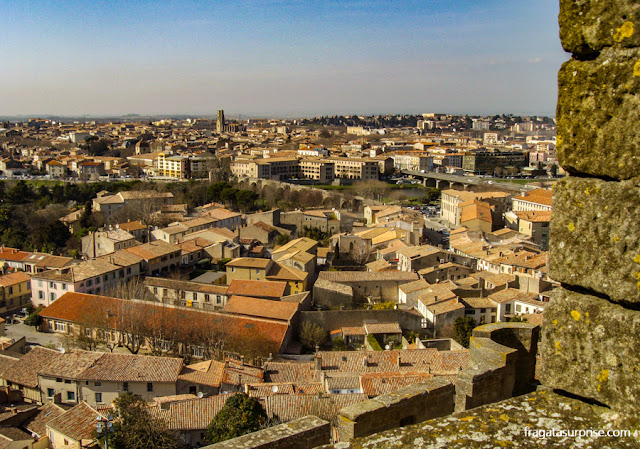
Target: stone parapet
{"x": 591, "y": 350}
{"x": 510, "y": 423}
{"x": 595, "y": 236}
{"x": 302, "y": 433}
{"x": 597, "y": 102}
{"x": 503, "y": 358}
{"x": 408, "y": 405}
{"x": 588, "y": 26}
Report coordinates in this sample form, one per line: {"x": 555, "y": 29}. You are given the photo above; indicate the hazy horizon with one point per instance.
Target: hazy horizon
{"x": 285, "y": 58}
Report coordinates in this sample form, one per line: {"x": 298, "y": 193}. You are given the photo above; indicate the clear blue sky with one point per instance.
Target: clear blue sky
{"x": 281, "y": 57}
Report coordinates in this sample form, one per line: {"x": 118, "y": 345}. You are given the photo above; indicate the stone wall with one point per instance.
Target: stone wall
{"x": 409, "y": 405}
{"x": 303, "y": 433}
{"x": 503, "y": 361}
{"x": 331, "y": 294}
{"x": 591, "y": 330}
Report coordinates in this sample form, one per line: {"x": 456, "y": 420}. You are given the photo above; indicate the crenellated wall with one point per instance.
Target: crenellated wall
{"x": 503, "y": 360}
{"x": 409, "y": 405}
{"x": 303, "y": 433}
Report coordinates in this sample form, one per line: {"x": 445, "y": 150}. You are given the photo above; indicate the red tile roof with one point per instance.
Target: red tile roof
{"x": 244, "y": 333}
{"x": 14, "y": 278}
{"x": 77, "y": 423}
{"x": 25, "y": 370}
{"x": 133, "y": 368}
{"x": 257, "y": 289}
{"x": 262, "y": 308}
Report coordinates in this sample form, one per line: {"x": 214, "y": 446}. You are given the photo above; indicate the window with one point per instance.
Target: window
{"x": 507, "y": 308}
{"x": 105, "y": 278}
{"x": 67, "y": 381}
{"x": 155, "y": 290}
{"x": 52, "y": 285}
{"x": 60, "y": 327}
{"x": 52, "y": 297}
{"x": 11, "y": 290}
{"x": 97, "y": 384}
{"x": 71, "y": 396}
{"x": 195, "y": 296}
{"x": 58, "y": 379}
{"x": 51, "y": 392}
{"x": 125, "y": 386}
{"x": 98, "y": 398}
{"x": 206, "y": 298}
{"x": 483, "y": 310}
{"x": 149, "y": 386}
{"x": 63, "y": 286}
{"x": 40, "y": 294}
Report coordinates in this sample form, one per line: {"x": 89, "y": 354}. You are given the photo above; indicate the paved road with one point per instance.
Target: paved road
{"x": 17, "y": 331}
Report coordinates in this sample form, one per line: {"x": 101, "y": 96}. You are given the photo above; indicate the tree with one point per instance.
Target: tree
{"x": 462, "y": 329}
{"x": 311, "y": 335}
{"x": 339, "y": 344}
{"x": 360, "y": 252}
{"x": 135, "y": 428}
{"x": 33, "y": 319}
{"x": 240, "y": 415}
{"x": 85, "y": 218}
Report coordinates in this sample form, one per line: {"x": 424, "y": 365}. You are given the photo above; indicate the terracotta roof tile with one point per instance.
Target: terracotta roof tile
{"x": 77, "y": 423}
{"x": 257, "y": 289}
{"x": 25, "y": 370}
{"x": 263, "y": 308}
{"x": 236, "y": 330}
{"x": 133, "y": 368}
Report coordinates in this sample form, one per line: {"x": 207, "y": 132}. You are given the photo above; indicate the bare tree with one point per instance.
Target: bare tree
{"x": 360, "y": 252}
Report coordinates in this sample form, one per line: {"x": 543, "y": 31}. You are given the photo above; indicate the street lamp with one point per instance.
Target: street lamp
{"x": 104, "y": 426}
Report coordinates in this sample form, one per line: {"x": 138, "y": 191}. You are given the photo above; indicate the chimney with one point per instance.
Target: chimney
{"x": 318, "y": 362}
{"x": 242, "y": 360}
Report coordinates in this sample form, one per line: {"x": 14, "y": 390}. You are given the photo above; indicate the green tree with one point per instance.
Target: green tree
{"x": 135, "y": 428}
{"x": 311, "y": 335}
{"x": 20, "y": 193}
{"x": 339, "y": 344}
{"x": 85, "y": 218}
{"x": 33, "y": 319}
{"x": 239, "y": 415}
{"x": 462, "y": 329}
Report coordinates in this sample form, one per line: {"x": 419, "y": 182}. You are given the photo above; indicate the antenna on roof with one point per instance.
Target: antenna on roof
{"x": 200, "y": 395}
{"x": 274, "y": 389}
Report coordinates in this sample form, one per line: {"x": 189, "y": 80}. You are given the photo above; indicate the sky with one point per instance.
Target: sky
{"x": 278, "y": 58}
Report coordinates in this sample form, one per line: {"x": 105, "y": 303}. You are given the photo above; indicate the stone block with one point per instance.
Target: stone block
{"x": 303, "y": 433}
{"x": 597, "y": 105}
{"x": 408, "y": 405}
{"x": 502, "y": 364}
{"x": 595, "y": 236}
{"x": 590, "y": 349}
{"x": 587, "y": 26}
